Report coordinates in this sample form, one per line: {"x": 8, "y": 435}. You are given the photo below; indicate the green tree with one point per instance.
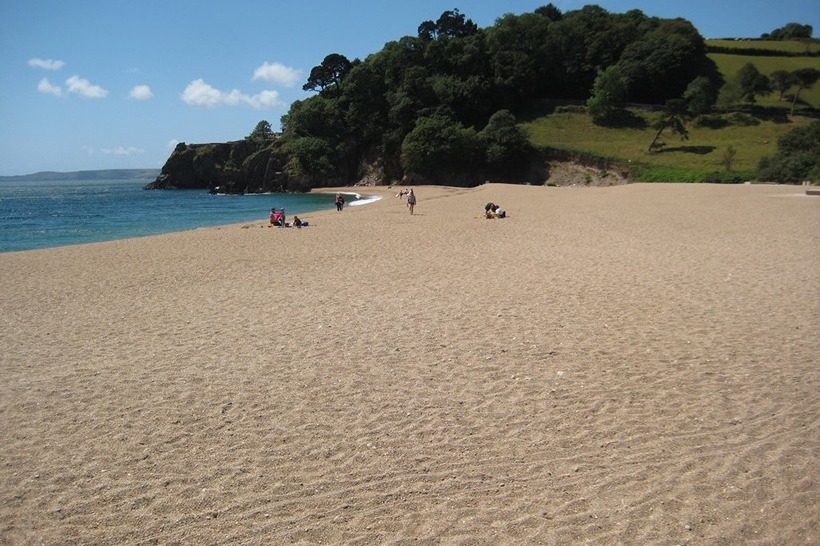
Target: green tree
{"x": 700, "y": 96}
{"x": 261, "y": 132}
{"x": 319, "y": 118}
{"x": 520, "y": 63}
{"x": 579, "y": 44}
{"x": 506, "y": 144}
{"x": 550, "y": 12}
{"x": 791, "y": 31}
{"x": 315, "y": 116}
{"x": 752, "y": 83}
{"x": 437, "y": 144}
{"x": 729, "y": 95}
{"x": 311, "y": 157}
{"x": 782, "y": 80}
{"x": 804, "y": 78}
{"x": 608, "y": 95}
{"x": 451, "y": 24}
{"x": 675, "y": 116}
{"x": 364, "y": 103}
{"x": 469, "y": 99}
{"x": 660, "y": 64}
{"x": 334, "y": 67}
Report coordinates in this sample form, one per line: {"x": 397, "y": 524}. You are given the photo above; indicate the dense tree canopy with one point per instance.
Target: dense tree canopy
{"x": 792, "y": 31}
{"x": 429, "y": 103}
{"x": 451, "y": 24}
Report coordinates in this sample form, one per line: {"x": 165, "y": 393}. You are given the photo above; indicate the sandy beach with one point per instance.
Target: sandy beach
{"x": 625, "y": 365}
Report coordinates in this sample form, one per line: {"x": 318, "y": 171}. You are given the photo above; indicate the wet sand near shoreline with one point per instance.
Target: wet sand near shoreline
{"x": 626, "y": 365}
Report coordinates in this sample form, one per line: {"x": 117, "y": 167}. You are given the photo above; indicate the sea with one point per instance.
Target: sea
{"x": 57, "y": 213}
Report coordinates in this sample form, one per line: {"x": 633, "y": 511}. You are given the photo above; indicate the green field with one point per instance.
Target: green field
{"x": 790, "y": 46}
{"x": 684, "y": 160}
{"x": 702, "y": 156}
{"x": 731, "y": 64}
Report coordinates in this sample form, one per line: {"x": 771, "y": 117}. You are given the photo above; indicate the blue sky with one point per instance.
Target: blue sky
{"x": 105, "y": 84}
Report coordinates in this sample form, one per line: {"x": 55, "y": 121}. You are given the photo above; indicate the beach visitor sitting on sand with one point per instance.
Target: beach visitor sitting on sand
{"x": 296, "y": 221}
{"x": 491, "y": 210}
{"x": 277, "y": 218}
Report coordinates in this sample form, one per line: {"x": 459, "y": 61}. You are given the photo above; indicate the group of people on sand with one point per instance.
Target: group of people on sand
{"x": 491, "y": 210}
{"x": 278, "y": 219}
{"x": 411, "y": 198}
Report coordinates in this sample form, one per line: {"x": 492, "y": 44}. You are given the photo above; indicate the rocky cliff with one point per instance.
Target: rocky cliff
{"x": 243, "y": 166}
{"x": 248, "y": 166}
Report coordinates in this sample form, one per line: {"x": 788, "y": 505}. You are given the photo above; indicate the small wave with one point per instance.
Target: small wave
{"x": 366, "y": 200}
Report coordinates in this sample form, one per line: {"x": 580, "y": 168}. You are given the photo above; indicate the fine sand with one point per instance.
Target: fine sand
{"x": 626, "y": 365}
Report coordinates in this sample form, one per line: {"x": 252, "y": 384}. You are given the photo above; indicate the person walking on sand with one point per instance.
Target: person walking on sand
{"x": 340, "y": 202}
{"x": 411, "y": 200}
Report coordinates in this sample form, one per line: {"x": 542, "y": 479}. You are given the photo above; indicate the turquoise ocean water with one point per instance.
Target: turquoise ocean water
{"x": 57, "y": 213}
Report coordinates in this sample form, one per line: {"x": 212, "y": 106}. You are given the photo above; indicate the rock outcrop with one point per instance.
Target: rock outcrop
{"x": 237, "y": 167}
{"x": 262, "y": 166}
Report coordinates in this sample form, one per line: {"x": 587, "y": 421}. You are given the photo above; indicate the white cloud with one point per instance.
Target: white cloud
{"x": 277, "y": 73}
{"x": 141, "y": 92}
{"x": 47, "y": 87}
{"x": 199, "y": 93}
{"x": 123, "y": 150}
{"x": 84, "y": 88}
{"x": 47, "y": 64}
{"x": 268, "y": 99}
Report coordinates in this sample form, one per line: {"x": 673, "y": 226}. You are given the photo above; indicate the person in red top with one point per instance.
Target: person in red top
{"x": 277, "y": 218}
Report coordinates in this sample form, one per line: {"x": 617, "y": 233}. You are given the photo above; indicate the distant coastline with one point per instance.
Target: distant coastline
{"x": 107, "y": 174}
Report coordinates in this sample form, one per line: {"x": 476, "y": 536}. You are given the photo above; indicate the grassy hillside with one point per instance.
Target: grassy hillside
{"x": 688, "y": 160}
{"x": 702, "y": 156}
{"x": 730, "y": 65}
{"x": 798, "y": 47}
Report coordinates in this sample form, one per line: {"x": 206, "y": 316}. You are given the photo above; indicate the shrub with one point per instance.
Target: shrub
{"x": 797, "y": 158}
